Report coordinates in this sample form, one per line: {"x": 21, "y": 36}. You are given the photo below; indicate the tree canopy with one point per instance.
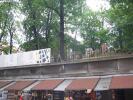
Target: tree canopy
{"x": 46, "y": 24}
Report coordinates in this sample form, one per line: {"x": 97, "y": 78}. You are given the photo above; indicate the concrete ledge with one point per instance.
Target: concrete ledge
{"x": 85, "y": 60}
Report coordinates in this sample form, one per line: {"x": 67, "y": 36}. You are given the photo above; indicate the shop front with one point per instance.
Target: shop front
{"x": 82, "y": 89}
{"x": 102, "y": 89}
{"x": 59, "y": 91}
{"x": 15, "y": 91}
{"x": 123, "y": 94}
{"x": 122, "y": 87}
{"x": 3, "y": 93}
{"x": 45, "y": 90}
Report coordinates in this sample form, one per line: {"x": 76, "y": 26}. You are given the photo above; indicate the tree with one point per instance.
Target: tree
{"x": 92, "y": 29}
{"x": 50, "y": 21}
{"x": 62, "y": 29}
{"x": 3, "y": 19}
{"x": 7, "y": 23}
{"x": 121, "y": 17}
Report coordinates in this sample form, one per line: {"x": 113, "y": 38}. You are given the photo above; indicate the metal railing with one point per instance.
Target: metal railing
{"x": 95, "y": 55}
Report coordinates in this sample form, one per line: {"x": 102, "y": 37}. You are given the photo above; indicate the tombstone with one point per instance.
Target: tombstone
{"x": 89, "y": 52}
{"x": 104, "y": 48}
{"x": 97, "y": 52}
{"x": 69, "y": 54}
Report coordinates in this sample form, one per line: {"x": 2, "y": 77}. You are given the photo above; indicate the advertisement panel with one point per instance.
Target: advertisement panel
{"x": 2, "y": 59}
{"x": 41, "y": 56}
{"x": 11, "y": 60}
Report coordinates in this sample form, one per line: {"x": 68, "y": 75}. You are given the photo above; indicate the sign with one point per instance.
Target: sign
{"x": 103, "y": 84}
{"x": 26, "y": 58}
{"x": 43, "y": 56}
{"x": 3, "y": 95}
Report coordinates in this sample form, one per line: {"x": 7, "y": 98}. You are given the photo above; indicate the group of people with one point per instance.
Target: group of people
{"x": 33, "y": 96}
{"x": 73, "y": 95}
{"x": 78, "y": 96}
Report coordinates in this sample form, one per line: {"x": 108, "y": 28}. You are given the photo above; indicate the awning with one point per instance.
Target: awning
{"x": 20, "y": 85}
{"x": 122, "y": 82}
{"x": 83, "y": 84}
{"x": 3, "y": 88}
{"x": 63, "y": 85}
{"x": 4, "y": 83}
{"x": 47, "y": 85}
{"x": 103, "y": 84}
{"x": 31, "y": 86}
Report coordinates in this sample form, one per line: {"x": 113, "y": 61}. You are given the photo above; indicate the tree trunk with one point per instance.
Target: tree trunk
{"x": 1, "y": 36}
{"x": 92, "y": 43}
{"x": 61, "y": 35}
{"x": 3, "y": 30}
{"x": 49, "y": 18}
{"x": 120, "y": 39}
{"x": 11, "y": 41}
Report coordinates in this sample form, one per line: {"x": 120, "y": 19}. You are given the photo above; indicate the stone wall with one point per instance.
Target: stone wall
{"x": 70, "y": 69}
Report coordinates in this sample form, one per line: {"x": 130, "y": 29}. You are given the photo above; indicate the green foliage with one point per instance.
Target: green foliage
{"x": 41, "y": 25}
{"x": 92, "y": 29}
{"x": 121, "y": 17}
{"x": 40, "y": 10}
{"x": 73, "y": 44}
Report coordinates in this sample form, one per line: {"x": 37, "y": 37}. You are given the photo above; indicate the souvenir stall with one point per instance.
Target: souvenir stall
{"x": 3, "y": 95}
{"x": 59, "y": 91}
{"x": 45, "y": 90}
{"x": 82, "y": 89}
{"x": 15, "y": 91}
{"x": 102, "y": 89}
{"x": 122, "y": 87}
{"x": 3, "y": 85}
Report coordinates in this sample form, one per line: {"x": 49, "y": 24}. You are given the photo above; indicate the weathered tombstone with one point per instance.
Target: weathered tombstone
{"x": 89, "y": 52}
{"x": 69, "y": 54}
{"x": 104, "y": 48}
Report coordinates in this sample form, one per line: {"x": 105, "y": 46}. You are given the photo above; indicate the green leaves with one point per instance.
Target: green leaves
{"x": 41, "y": 24}
{"x": 121, "y": 15}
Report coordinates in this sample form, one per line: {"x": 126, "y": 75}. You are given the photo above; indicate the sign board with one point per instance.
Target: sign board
{"x": 103, "y": 84}
{"x": 3, "y": 95}
{"x": 26, "y": 58}
{"x": 2, "y": 61}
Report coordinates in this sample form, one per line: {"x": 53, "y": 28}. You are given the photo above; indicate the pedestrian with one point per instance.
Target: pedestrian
{"x": 70, "y": 98}
{"x": 21, "y": 97}
{"x": 67, "y": 98}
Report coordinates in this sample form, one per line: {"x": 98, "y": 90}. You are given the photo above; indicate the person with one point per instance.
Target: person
{"x": 44, "y": 96}
{"x": 67, "y": 98}
{"x": 77, "y": 96}
{"x": 21, "y": 97}
{"x": 33, "y": 96}
{"x": 84, "y": 97}
{"x": 70, "y": 98}
{"x": 49, "y": 96}
{"x": 98, "y": 95}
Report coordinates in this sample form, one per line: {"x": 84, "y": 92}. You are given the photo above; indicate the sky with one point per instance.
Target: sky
{"x": 96, "y": 5}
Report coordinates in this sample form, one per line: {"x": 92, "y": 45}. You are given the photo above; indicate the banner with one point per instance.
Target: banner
{"x": 2, "y": 60}
{"x": 26, "y": 58}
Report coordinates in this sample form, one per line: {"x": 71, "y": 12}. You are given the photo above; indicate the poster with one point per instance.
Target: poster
{"x": 41, "y": 56}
